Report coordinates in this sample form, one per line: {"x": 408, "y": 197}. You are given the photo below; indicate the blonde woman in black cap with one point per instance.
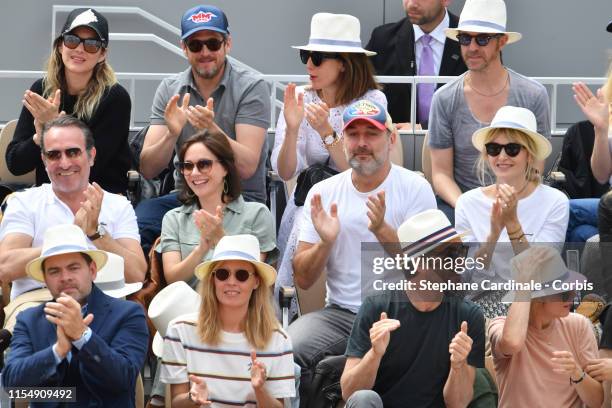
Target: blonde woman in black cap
{"x": 79, "y": 82}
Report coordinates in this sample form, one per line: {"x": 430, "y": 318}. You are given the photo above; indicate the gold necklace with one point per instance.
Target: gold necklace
{"x": 494, "y": 94}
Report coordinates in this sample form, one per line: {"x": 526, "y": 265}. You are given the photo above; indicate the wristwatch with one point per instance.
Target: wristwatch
{"x": 331, "y": 140}
{"x": 100, "y": 232}
{"x": 572, "y": 381}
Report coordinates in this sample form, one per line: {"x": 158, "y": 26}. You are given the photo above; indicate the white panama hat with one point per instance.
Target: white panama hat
{"x": 174, "y": 300}
{"x": 335, "y": 33}
{"x": 111, "y": 278}
{"x": 63, "y": 239}
{"x": 483, "y": 16}
{"x": 521, "y": 119}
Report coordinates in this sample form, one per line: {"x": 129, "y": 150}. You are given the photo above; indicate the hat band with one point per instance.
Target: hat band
{"x": 437, "y": 236}
{"x": 550, "y": 283}
{"x": 62, "y": 249}
{"x": 481, "y": 23}
{"x": 505, "y": 123}
{"x": 323, "y": 41}
{"x": 112, "y": 285}
{"x": 234, "y": 253}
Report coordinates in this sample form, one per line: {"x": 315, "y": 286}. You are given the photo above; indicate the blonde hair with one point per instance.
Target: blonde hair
{"x": 260, "y": 322}
{"x": 102, "y": 78}
{"x": 532, "y": 174}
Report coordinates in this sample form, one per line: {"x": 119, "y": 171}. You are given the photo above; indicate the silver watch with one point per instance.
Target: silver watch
{"x": 329, "y": 140}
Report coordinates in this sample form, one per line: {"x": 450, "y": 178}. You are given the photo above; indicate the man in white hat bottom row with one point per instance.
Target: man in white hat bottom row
{"x": 83, "y": 338}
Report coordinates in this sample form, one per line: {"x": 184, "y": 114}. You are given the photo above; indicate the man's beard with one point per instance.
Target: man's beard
{"x": 366, "y": 168}
{"x": 208, "y": 74}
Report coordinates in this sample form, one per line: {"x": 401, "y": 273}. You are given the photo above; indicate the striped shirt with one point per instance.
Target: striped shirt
{"x": 226, "y": 366}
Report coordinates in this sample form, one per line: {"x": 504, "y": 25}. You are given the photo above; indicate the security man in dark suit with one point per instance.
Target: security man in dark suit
{"x": 407, "y": 47}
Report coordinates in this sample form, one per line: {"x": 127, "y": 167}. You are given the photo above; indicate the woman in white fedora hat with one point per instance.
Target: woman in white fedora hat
{"x": 232, "y": 351}
{"x": 309, "y": 128}
{"x": 212, "y": 207}
{"x": 543, "y": 353}
{"x": 514, "y": 208}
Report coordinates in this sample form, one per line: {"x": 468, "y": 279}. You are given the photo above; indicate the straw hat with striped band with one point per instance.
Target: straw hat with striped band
{"x": 483, "y": 16}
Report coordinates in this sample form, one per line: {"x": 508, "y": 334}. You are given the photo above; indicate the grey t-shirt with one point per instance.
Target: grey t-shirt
{"x": 241, "y": 97}
{"x": 451, "y": 123}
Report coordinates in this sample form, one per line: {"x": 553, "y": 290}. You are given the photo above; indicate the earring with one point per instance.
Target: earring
{"x": 225, "y": 186}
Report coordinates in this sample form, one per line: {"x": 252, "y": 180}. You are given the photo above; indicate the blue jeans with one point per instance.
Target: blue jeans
{"x": 149, "y": 214}
{"x": 582, "y": 219}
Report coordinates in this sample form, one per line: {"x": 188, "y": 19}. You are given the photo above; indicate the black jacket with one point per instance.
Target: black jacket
{"x": 394, "y": 44}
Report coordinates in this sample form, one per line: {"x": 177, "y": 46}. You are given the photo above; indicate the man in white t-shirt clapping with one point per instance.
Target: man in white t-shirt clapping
{"x": 365, "y": 203}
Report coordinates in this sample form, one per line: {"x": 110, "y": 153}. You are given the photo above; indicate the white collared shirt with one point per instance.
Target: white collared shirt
{"x": 437, "y": 44}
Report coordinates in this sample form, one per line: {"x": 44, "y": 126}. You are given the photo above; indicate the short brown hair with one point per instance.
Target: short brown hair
{"x": 219, "y": 146}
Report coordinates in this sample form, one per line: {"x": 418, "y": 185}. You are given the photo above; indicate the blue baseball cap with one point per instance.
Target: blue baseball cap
{"x": 370, "y": 111}
{"x": 203, "y": 18}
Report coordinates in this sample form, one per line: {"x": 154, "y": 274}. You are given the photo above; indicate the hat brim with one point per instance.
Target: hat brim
{"x": 543, "y": 145}
{"x": 195, "y": 30}
{"x": 34, "y": 267}
{"x": 572, "y": 277}
{"x": 128, "y": 289}
{"x": 265, "y": 271}
{"x": 334, "y": 48}
{"x": 98, "y": 33}
{"x": 452, "y": 33}
{"x": 158, "y": 345}
{"x": 376, "y": 123}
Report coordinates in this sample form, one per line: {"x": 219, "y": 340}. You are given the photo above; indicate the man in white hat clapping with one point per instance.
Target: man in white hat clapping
{"x": 541, "y": 350}
{"x": 468, "y": 103}
{"x": 82, "y": 338}
{"x": 416, "y": 347}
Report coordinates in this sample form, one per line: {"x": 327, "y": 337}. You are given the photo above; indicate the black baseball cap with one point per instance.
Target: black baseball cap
{"x": 87, "y": 17}
{"x": 610, "y": 26}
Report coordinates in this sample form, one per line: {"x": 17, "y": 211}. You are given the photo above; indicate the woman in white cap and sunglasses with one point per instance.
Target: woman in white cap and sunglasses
{"x": 309, "y": 128}
{"x": 79, "y": 82}
{"x": 514, "y": 208}
{"x": 232, "y": 352}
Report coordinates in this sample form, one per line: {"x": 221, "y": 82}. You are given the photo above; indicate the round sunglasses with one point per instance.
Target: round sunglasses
{"x": 317, "y": 57}
{"x": 90, "y": 45}
{"x": 241, "y": 275}
{"x": 481, "y": 39}
{"x": 203, "y": 165}
{"x": 213, "y": 44}
{"x": 511, "y": 149}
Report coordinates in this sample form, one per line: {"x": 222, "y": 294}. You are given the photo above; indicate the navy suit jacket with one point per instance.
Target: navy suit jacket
{"x": 104, "y": 371}
{"x": 394, "y": 43}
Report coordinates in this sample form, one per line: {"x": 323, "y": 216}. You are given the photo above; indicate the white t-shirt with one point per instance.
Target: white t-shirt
{"x": 543, "y": 215}
{"x": 32, "y": 211}
{"x": 226, "y": 366}
{"x": 406, "y": 194}
{"x": 310, "y": 147}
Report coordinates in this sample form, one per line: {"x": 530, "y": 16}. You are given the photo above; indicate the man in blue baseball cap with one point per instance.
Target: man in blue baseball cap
{"x": 214, "y": 93}
{"x": 366, "y": 203}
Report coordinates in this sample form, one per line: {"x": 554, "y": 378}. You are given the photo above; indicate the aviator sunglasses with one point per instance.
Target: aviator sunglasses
{"x": 55, "y": 155}
{"x": 213, "y": 44}
{"x": 317, "y": 57}
{"x": 241, "y": 275}
{"x": 90, "y": 45}
{"x": 202, "y": 165}
{"x": 481, "y": 39}
{"x": 512, "y": 149}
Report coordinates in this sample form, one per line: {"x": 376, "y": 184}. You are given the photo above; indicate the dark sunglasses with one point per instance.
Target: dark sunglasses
{"x": 566, "y": 296}
{"x": 90, "y": 45}
{"x": 241, "y": 275}
{"x": 512, "y": 149}
{"x": 481, "y": 39}
{"x": 213, "y": 44}
{"x": 317, "y": 57}
{"x": 202, "y": 165}
{"x": 55, "y": 155}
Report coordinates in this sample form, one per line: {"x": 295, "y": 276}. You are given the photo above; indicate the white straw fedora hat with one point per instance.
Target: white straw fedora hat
{"x": 174, "y": 300}
{"x": 243, "y": 247}
{"x": 63, "y": 239}
{"x": 483, "y": 16}
{"x": 552, "y": 274}
{"x": 521, "y": 119}
{"x": 335, "y": 33}
{"x": 425, "y": 231}
{"x": 111, "y": 278}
